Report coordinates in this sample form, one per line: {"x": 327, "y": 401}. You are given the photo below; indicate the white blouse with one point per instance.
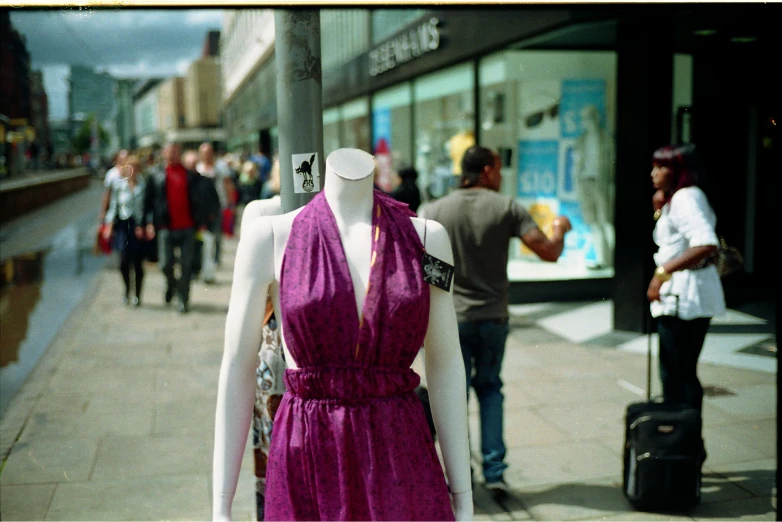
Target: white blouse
{"x": 126, "y": 202}
{"x": 687, "y": 221}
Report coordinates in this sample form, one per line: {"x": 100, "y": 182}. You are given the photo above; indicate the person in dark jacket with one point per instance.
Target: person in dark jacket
{"x": 407, "y": 191}
{"x": 174, "y": 203}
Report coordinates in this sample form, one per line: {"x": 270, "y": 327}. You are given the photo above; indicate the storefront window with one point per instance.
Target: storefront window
{"x": 551, "y": 114}
{"x": 392, "y": 140}
{"x": 355, "y": 124}
{"x": 444, "y": 115}
{"x": 331, "y": 120}
{"x": 386, "y": 22}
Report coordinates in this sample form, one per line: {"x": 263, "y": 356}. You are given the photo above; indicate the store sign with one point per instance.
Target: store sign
{"x": 407, "y": 46}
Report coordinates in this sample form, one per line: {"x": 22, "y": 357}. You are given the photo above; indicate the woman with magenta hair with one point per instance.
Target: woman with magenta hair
{"x": 685, "y": 291}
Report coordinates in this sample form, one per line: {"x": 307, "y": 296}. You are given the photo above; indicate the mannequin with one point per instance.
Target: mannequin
{"x": 594, "y": 177}
{"x": 348, "y": 191}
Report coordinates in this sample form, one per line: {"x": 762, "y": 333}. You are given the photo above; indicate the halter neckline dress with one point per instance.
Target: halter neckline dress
{"x": 350, "y": 439}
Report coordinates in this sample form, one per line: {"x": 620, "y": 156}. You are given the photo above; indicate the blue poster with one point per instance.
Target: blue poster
{"x": 568, "y": 185}
{"x": 381, "y": 129}
{"x": 579, "y": 238}
{"x": 538, "y": 167}
{"x": 577, "y": 95}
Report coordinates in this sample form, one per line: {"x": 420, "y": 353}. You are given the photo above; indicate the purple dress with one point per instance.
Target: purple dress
{"x": 351, "y": 440}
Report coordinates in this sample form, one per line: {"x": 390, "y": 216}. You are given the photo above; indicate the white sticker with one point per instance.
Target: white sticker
{"x": 306, "y": 173}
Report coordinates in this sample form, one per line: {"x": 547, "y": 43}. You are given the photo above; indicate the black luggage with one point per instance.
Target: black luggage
{"x": 662, "y": 453}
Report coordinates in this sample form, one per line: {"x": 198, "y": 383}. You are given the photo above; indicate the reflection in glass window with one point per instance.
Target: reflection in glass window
{"x": 392, "y": 140}
{"x": 355, "y": 124}
{"x": 331, "y": 121}
{"x": 444, "y": 122}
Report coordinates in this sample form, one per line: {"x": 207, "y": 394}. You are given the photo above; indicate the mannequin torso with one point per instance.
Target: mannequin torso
{"x": 348, "y": 191}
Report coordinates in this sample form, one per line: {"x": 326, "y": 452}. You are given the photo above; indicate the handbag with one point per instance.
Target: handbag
{"x": 729, "y": 259}
{"x": 228, "y": 222}
{"x": 103, "y": 245}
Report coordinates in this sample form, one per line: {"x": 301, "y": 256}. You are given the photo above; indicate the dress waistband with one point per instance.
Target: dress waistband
{"x": 350, "y": 383}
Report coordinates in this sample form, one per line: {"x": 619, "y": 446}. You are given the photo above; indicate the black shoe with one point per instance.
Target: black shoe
{"x": 183, "y": 307}
{"x": 498, "y": 488}
{"x": 169, "y": 296}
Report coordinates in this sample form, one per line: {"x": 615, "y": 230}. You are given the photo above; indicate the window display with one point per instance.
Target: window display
{"x": 355, "y": 124}
{"x": 392, "y": 142}
{"x": 553, "y": 112}
{"x": 331, "y": 122}
{"x": 444, "y": 127}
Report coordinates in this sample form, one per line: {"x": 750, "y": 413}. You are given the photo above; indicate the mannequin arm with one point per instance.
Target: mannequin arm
{"x": 253, "y": 273}
{"x": 446, "y": 381}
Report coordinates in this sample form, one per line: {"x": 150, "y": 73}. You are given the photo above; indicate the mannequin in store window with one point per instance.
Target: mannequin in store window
{"x": 351, "y": 439}
{"x": 593, "y": 160}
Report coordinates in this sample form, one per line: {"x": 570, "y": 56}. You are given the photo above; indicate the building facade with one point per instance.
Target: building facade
{"x": 146, "y": 113}
{"x": 171, "y": 101}
{"x": 565, "y": 94}
{"x": 202, "y": 93}
{"x": 14, "y": 97}
{"x": 40, "y": 144}
{"x": 92, "y": 94}
{"x": 124, "y": 122}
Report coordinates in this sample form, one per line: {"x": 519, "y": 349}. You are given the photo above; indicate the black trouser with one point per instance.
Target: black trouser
{"x": 130, "y": 253}
{"x": 185, "y": 240}
{"x": 681, "y": 343}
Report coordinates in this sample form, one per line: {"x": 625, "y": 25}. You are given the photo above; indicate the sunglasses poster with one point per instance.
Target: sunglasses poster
{"x": 566, "y": 167}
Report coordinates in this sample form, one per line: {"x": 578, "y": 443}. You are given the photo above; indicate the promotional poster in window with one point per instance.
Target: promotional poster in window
{"x": 566, "y": 166}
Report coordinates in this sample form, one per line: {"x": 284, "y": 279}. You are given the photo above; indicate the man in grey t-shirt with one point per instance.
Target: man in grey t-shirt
{"x": 480, "y": 223}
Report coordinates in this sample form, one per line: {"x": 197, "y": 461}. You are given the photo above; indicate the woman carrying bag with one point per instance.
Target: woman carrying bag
{"x": 125, "y": 220}
{"x": 685, "y": 291}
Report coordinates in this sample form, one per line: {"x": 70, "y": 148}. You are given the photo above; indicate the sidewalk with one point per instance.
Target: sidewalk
{"x": 116, "y": 422}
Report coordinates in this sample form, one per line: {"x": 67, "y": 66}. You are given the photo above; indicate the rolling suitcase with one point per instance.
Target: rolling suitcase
{"x": 662, "y": 453}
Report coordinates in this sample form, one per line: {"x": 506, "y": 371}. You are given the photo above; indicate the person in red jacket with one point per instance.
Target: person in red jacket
{"x": 174, "y": 203}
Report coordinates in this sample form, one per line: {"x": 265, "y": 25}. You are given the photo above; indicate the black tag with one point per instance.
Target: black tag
{"x": 437, "y": 272}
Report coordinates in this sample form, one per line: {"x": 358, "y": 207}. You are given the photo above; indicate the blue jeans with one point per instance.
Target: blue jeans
{"x": 483, "y": 348}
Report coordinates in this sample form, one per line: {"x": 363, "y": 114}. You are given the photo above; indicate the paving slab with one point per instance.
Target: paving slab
{"x": 88, "y": 425}
{"x": 561, "y": 464}
{"x": 126, "y": 457}
{"x": 574, "y": 501}
{"x": 173, "y": 497}
{"x": 57, "y": 460}
{"x": 756, "y": 508}
{"x": 25, "y": 502}
{"x": 758, "y": 477}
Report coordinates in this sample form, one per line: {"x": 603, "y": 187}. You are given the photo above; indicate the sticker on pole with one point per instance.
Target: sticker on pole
{"x": 306, "y": 174}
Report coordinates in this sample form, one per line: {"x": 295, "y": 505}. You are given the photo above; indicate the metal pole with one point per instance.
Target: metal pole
{"x": 299, "y": 105}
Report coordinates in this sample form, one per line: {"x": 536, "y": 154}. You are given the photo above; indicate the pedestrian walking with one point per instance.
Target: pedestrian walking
{"x": 685, "y": 291}
{"x": 408, "y": 191}
{"x": 126, "y": 221}
{"x": 112, "y": 175}
{"x": 174, "y": 209}
{"x": 480, "y": 223}
{"x": 220, "y": 175}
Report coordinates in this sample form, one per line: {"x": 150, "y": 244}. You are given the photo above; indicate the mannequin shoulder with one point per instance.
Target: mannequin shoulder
{"x": 435, "y": 238}
{"x": 260, "y": 208}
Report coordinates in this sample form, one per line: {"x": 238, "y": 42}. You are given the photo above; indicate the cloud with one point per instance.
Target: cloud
{"x": 128, "y": 43}
{"x": 107, "y": 37}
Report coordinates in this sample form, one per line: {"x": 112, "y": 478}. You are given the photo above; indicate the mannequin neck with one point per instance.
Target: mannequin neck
{"x": 347, "y": 186}
{"x": 350, "y": 199}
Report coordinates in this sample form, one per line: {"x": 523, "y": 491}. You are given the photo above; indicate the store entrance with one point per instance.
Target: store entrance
{"x": 735, "y": 127}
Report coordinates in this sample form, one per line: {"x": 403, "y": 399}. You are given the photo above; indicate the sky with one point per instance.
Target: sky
{"x": 127, "y": 43}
